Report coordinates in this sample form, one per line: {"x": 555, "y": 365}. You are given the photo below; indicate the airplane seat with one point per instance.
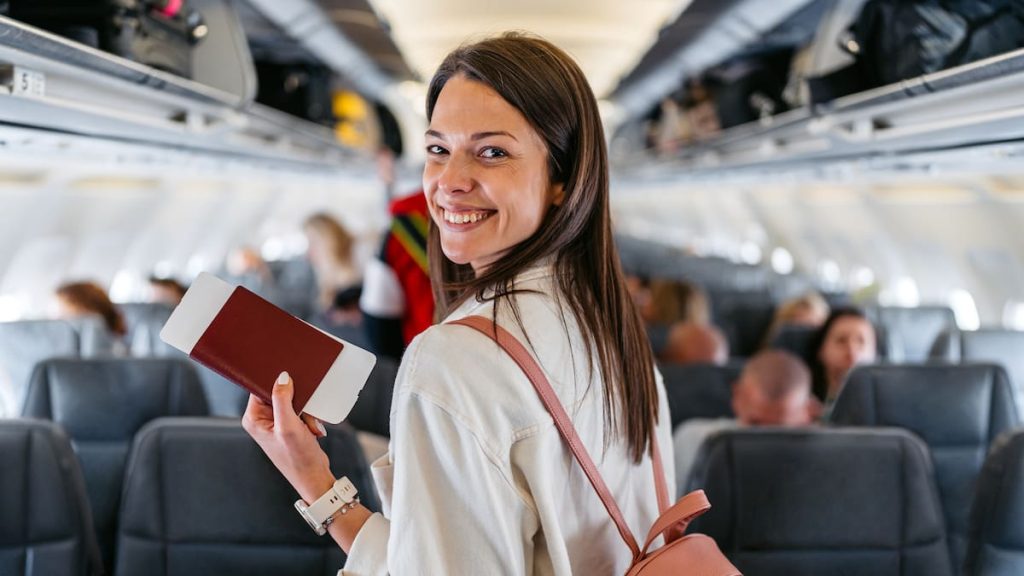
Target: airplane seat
{"x": 95, "y": 340}
{"x": 802, "y": 502}
{"x": 144, "y": 321}
{"x": 744, "y": 317}
{"x": 372, "y": 411}
{"x": 45, "y": 522}
{"x": 23, "y": 343}
{"x": 1004, "y": 347}
{"x": 957, "y": 410}
{"x": 946, "y": 347}
{"x": 907, "y": 334}
{"x": 797, "y": 340}
{"x": 295, "y": 282}
{"x": 657, "y": 335}
{"x": 699, "y": 390}
{"x": 101, "y": 403}
{"x": 201, "y": 498}
{"x": 996, "y": 537}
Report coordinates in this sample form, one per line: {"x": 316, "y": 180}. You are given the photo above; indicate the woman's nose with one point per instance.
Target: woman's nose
{"x": 455, "y": 177}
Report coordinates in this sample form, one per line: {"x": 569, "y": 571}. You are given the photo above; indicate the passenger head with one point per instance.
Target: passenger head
{"x": 693, "y": 343}
{"x": 810, "y": 311}
{"x": 674, "y": 301}
{"x": 517, "y": 176}
{"x": 245, "y": 260}
{"x": 166, "y": 290}
{"x": 774, "y": 389}
{"x": 79, "y": 299}
{"x": 329, "y": 243}
{"x": 845, "y": 340}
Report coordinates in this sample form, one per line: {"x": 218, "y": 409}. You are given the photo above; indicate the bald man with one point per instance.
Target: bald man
{"x": 774, "y": 389}
{"x": 695, "y": 343}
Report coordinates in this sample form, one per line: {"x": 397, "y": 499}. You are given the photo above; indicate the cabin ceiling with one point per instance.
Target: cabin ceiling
{"x": 607, "y": 37}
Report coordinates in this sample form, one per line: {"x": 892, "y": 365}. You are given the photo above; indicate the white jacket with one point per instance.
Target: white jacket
{"x": 477, "y": 479}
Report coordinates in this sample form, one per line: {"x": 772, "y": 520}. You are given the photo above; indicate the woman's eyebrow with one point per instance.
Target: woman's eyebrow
{"x": 476, "y": 136}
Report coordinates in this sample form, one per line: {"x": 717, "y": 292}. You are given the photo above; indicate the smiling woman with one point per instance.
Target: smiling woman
{"x": 487, "y": 190}
{"x": 475, "y": 480}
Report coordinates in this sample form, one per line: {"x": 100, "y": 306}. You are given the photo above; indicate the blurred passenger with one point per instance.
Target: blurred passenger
{"x": 397, "y": 300}
{"x": 83, "y": 299}
{"x": 692, "y": 343}
{"x": 774, "y": 389}
{"x": 639, "y": 290}
{"x": 845, "y": 340}
{"x": 166, "y": 290}
{"x": 810, "y": 310}
{"x": 331, "y": 254}
{"x": 245, "y": 266}
{"x": 673, "y": 301}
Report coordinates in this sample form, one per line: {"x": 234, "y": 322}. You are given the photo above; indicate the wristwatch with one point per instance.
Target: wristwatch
{"x": 342, "y": 497}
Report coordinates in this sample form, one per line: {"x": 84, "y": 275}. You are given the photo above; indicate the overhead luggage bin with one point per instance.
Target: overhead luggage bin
{"x": 50, "y": 83}
{"x": 971, "y": 105}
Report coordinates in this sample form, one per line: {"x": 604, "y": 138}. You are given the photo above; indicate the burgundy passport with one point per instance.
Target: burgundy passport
{"x": 251, "y": 341}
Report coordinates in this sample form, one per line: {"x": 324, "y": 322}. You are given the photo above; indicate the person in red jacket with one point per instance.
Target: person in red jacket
{"x": 397, "y": 301}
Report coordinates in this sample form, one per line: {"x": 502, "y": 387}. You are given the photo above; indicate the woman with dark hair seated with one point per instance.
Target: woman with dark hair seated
{"x": 845, "y": 340}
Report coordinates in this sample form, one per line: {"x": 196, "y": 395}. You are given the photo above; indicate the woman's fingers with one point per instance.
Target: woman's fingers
{"x": 258, "y": 415}
{"x": 284, "y": 413}
{"x": 315, "y": 426}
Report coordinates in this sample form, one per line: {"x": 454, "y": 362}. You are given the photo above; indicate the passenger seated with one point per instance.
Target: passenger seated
{"x": 774, "y": 389}
{"x": 693, "y": 343}
{"x": 83, "y": 299}
{"x": 810, "y": 310}
{"x": 673, "y": 301}
{"x": 331, "y": 254}
{"x": 166, "y": 290}
{"x": 845, "y": 340}
{"x": 245, "y": 266}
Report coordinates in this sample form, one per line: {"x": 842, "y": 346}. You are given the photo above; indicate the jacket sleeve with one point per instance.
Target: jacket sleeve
{"x": 454, "y": 509}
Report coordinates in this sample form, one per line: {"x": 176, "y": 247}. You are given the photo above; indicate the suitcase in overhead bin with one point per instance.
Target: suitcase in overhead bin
{"x": 885, "y": 41}
{"x": 298, "y": 88}
{"x": 157, "y": 33}
{"x": 750, "y": 88}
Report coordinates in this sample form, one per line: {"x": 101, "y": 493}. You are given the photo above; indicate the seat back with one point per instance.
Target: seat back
{"x": 797, "y": 340}
{"x": 45, "y": 524}
{"x": 22, "y": 345}
{"x": 792, "y": 502}
{"x": 744, "y": 317}
{"x": 957, "y": 410}
{"x": 144, "y": 321}
{"x": 907, "y": 334}
{"x": 296, "y": 287}
{"x": 102, "y": 403}
{"x": 201, "y": 498}
{"x": 372, "y": 411}
{"x": 699, "y": 390}
{"x": 1004, "y": 347}
{"x": 996, "y": 536}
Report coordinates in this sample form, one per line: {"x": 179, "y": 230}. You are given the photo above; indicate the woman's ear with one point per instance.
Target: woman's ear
{"x": 557, "y": 194}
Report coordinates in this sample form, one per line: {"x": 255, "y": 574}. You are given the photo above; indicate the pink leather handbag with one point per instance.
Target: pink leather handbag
{"x": 692, "y": 555}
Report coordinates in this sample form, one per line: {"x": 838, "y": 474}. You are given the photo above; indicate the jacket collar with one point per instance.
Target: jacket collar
{"x": 539, "y": 277}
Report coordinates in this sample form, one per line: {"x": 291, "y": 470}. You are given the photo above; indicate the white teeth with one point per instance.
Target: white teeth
{"x": 464, "y": 217}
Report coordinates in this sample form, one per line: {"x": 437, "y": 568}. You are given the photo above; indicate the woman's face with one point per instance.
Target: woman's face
{"x": 486, "y": 179}
{"x": 850, "y": 341}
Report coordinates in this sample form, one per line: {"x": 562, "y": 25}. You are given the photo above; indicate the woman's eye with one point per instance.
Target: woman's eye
{"x": 434, "y": 149}
{"x": 492, "y": 152}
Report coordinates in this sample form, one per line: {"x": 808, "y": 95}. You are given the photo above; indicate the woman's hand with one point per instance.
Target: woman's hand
{"x": 290, "y": 441}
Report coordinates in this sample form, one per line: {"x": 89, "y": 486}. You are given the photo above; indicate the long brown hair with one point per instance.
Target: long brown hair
{"x": 544, "y": 84}
{"x": 90, "y": 297}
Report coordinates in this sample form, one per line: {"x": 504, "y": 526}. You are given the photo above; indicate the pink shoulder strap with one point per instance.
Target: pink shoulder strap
{"x": 525, "y": 361}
